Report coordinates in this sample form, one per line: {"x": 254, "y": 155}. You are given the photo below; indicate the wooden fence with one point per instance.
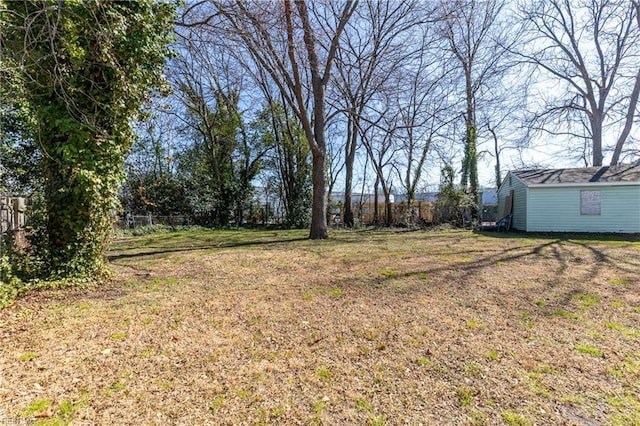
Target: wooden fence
{"x": 421, "y": 211}
{"x": 13, "y": 215}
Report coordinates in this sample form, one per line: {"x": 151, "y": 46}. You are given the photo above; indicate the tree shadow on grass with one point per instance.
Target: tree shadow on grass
{"x": 504, "y": 255}
{"x": 562, "y": 236}
{"x": 147, "y": 251}
{"x": 555, "y": 254}
{"x": 628, "y": 264}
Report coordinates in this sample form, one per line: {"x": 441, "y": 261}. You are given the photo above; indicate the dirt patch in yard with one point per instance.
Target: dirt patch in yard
{"x": 257, "y": 327}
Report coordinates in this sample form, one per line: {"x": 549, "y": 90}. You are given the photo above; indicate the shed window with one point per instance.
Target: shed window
{"x": 590, "y": 202}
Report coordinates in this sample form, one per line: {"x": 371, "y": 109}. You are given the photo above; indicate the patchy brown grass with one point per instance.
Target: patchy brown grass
{"x": 374, "y": 328}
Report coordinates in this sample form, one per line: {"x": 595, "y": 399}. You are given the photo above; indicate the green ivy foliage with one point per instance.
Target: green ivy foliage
{"x": 87, "y": 67}
{"x": 452, "y": 202}
{"x": 163, "y": 195}
{"x": 219, "y": 167}
{"x": 289, "y": 162}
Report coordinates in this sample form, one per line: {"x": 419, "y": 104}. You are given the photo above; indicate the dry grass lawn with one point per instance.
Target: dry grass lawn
{"x": 266, "y": 327}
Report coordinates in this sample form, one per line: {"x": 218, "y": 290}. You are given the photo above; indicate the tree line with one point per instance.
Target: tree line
{"x": 299, "y": 98}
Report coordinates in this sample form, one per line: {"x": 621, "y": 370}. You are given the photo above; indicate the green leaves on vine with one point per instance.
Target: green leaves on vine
{"x": 87, "y": 67}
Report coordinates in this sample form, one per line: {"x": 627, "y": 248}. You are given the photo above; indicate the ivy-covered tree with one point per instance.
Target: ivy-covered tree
{"x": 289, "y": 161}
{"x": 87, "y": 67}
{"x": 454, "y": 206}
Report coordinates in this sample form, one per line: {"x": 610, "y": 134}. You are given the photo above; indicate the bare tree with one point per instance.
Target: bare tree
{"x": 335, "y": 160}
{"x": 224, "y": 156}
{"x": 296, "y": 43}
{"x": 424, "y": 110}
{"x": 153, "y": 153}
{"x": 592, "y": 48}
{"x": 503, "y": 114}
{"x": 378, "y": 134}
{"x": 374, "y": 44}
{"x": 472, "y": 30}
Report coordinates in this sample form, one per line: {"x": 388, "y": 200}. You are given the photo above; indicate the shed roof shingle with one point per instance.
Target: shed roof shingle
{"x": 605, "y": 174}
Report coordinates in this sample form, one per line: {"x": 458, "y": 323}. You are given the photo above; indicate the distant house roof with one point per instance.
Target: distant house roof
{"x": 360, "y": 198}
{"x": 608, "y": 175}
{"x": 419, "y": 196}
{"x": 489, "y": 196}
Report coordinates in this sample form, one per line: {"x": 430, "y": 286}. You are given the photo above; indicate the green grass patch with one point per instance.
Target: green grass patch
{"x": 318, "y": 407}
{"x": 380, "y": 420}
{"x": 620, "y": 281}
{"x": 629, "y": 332}
{"x": 476, "y": 325}
{"x": 615, "y": 326}
{"x": 514, "y": 419}
{"x": 424, "y": 361}
{"x": 115, "y": 387}
{"x": 363, "y": 404}
{"x": 626, "y": 371}
{"x": 216, "y": 404}
{"x": 589, "y": 350}
{"x": 564, "y": 314}
{"x": 546, "y": 369}
{"x": 335, "y": 292}
{"x": 465, "y": 397}
{"x": 165, "y": 280}
{"x": 67, "y": 409}
{"x": 277, "y": 411}
{"x": 388, "y": 273}
{"x": 492, "y": 355}
{"x": 323, "y": 373}
{"x": 478, "y": 418}
{"x": 537, "y": 386}
{"x": 624, "y": 402}
{"x": 526, "y": 319}
{"x": 472, "y": 369}
{"x": 35, "y": 407}
{"x": 572, "y": 398}
{"x": 587, "y": 300}
{"x": 632, "y": 418}
{"x": 146, "y": 353}
{"x": 28, "y": 356}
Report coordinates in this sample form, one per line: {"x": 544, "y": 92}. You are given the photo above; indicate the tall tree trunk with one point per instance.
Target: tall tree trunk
{"x": 376, "y": 209}
{"x": 319, "y": 82}
{"x": 388, "y": 220}
{"x": 350, "y": 154}
{"x": 596, "y": 132}
{"x": 496, "y": 150}
{"x": 471, "y": 151}
{"x": 633, "y": 102}
{"x": 319, "y": 205}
